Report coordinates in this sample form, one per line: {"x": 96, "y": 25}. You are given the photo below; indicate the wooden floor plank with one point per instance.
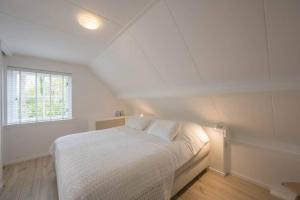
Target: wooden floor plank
{"x": 35, "y": 180}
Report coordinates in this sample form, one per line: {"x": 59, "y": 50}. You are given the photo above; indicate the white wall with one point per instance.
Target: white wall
{"x": 91, "y": 101}
{"x": 265, "y": 166}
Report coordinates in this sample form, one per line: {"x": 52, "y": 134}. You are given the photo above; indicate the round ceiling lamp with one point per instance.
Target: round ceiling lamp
{"x": 89, "y": 21}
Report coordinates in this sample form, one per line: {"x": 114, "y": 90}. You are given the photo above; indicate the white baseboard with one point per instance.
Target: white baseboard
{"x": 283, "y": 194}
{"x": 271, "y": 189}
{"x": 11, "y": 162}
{"x": 251, "y": 180}
{"x": 277, "y": 194}
{"x": 217, "y": 171}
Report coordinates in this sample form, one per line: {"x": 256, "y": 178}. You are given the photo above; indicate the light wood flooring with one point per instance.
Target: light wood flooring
{"x": 35, "y": 180}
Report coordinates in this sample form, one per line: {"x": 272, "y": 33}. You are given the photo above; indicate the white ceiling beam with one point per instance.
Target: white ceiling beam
{"x": 217, "y": 89}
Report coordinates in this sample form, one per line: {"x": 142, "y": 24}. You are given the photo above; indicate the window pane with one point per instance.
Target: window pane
{"x": 13, "y": 100}
{"x": 37, "y": 96}
{"x": 67, "y": 111}
{"x": 56, "y": 96}
{"x": 43, "y": 97}
{"x": 28, "y": 96}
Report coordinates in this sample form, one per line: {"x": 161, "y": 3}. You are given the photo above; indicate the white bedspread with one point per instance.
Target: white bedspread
{"x": 118, "y": 163}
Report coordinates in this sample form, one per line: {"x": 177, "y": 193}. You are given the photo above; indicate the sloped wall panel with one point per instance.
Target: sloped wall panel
{"x": 283, "y": 29}
{"x": 124, "y": 67}
{"x": 287, "y": 116}
{"x": 227, "y": 38}
{"x": 159, "y": 37}
{"x": 247, "y": 114}
{"x": 198, "y": 109}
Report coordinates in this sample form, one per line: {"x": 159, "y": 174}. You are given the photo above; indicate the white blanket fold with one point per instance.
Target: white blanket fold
{"x": 116, "y": 164}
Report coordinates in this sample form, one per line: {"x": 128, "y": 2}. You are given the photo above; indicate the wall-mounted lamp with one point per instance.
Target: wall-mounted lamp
{"x": 141, "y": 115}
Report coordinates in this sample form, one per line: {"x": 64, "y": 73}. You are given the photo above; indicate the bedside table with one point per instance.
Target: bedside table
{"x": 110, "y": 122}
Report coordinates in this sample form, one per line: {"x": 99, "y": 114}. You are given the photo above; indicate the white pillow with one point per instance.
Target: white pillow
{"x": 194, "y": 135}
{"x": 138, "y": 123}
{"x": 165, "y": 129}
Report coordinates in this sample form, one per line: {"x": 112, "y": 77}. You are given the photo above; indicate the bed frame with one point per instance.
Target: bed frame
{"x": 187, "y": 175}
{"x": 215, "y": 159}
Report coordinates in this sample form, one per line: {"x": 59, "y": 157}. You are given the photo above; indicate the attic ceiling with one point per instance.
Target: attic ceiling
{"x": 195, "y": 46}
{"x": 165, "y": 47}
{"x": 49, "y": 28}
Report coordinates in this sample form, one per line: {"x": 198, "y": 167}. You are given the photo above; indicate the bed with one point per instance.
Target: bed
{"x": 127, "y": 163}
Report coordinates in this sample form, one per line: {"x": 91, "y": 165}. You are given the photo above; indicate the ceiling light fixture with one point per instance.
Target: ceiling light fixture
{"x": 89, "y": 21}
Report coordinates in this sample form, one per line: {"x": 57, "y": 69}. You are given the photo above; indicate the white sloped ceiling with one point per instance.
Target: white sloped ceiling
{"x": 125, "y": 68}
{"x": 49, "y": 28}
{"x": 283, "y": 29}
{"x": 226, "y": 38}
{"x": 119, "y": 11}
{"x": 160, "y": 39}
{"x": 250, "y": 46}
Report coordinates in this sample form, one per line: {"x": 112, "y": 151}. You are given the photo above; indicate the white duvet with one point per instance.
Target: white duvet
{"x": 118, "y": 163}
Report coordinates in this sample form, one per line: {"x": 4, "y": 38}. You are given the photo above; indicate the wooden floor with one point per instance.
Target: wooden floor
{"x": 35, "y": 180}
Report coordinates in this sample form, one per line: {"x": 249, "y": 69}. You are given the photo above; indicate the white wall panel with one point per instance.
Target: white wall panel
{"x": 29, "y": 141}
{"x": 204, "y": 108}
{"x": 283, "y": 34}
{"x": 287, "y": 115}
{"x": 125, "y": 68}
{"x": 226, "y": 37}
{"x": 197, "y": 109}
{"x": 159, "y": 38}
{"x": 265, "y": 167}
{"x": 245, "y": 114}
{"x": 248, "y": 114}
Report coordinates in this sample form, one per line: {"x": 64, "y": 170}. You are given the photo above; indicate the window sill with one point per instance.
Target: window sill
{"x": 39, "y": 123}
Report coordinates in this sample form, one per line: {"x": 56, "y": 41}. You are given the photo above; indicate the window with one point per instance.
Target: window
{"x": 34, "y": 96}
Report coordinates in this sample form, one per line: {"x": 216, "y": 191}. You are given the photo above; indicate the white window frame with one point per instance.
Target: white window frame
{"x": 36, "y": 71}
